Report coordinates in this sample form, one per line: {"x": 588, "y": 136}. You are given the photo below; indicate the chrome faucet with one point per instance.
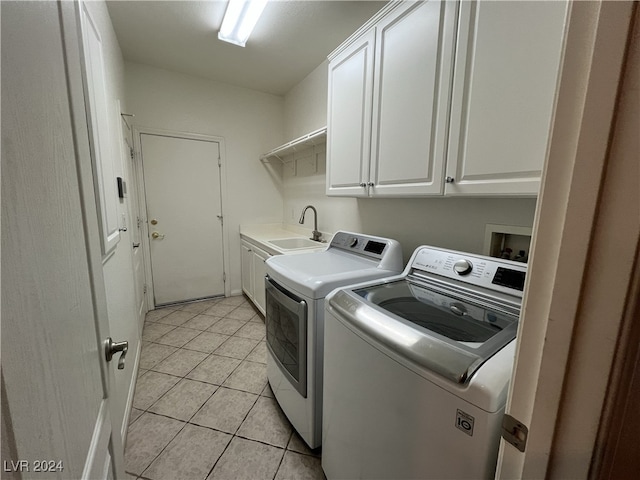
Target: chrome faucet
{"x": 315, "y": 235}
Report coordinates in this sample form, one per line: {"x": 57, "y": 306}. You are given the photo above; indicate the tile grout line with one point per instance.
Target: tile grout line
{"x": 243, "y": 420}
{"x": 203, "y": 360}
{"x": 181, "y": 378}
{"x": 163, "y": 448}
{"x": 200, "y": 332}
{"x": 284, "y": 449}
{"x": 184, "y": 377}
{"x": 284, "y": 454}
{"x": 218, "y": 386}
{"x": 219, "y": 317}
{"x": 202, "y": 381}
{"x": 234, "y": 434}
{"x": 185, "y": 422}
{"x": 200, "y": 351}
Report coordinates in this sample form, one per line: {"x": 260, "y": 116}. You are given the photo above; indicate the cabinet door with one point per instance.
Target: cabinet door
{"x": 506, "y": 71}
{"x": 259, "y": 272}
{"x": 349, "y": 118}
{"x": 246, "y": 258}
{"x": 413, "y": 69}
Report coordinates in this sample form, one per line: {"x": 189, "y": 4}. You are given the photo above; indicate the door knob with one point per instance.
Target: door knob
{"x": 111, "y": 348}
{"x": 154, "y": 222}
{"x": 156, "y": 235}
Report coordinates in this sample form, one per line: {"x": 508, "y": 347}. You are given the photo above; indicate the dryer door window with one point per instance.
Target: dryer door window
{"x": 286, "y": 321}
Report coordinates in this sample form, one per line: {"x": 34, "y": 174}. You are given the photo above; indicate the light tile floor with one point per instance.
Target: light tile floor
{"x": 202, "y": 407}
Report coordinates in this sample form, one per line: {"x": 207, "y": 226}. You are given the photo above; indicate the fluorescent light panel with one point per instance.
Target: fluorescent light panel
{"x": 239, "y": 19}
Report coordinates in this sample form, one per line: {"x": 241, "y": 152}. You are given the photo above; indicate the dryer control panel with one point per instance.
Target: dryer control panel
{"x": 386, "y": 252}
{"x": 493, "y": 273}
{"x": 364, "y": 244}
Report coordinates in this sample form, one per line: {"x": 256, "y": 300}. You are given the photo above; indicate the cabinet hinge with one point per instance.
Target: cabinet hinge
{"x": 131, "y": 153}
{"x": 144, "y": 288}
{"x": 514, "y": 432}
{"x": 224, "y": 277}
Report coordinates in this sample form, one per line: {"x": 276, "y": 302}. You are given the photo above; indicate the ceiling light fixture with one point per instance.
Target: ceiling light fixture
{"x": 239, "y": 19}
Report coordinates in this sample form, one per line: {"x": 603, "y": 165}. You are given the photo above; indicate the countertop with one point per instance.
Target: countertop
{"x": 260, "y": 234}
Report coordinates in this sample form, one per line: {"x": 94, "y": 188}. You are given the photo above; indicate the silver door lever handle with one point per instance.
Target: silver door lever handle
{"x": 111, "y": 348}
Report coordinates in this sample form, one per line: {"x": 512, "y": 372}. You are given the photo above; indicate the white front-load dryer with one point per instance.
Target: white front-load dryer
{"x": 295, "y": 288}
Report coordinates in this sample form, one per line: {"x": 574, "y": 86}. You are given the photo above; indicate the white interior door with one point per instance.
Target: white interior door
{"x": 184, "y": 215}
{"x": 137, "y": 257}
{"x": 55, "y": 380}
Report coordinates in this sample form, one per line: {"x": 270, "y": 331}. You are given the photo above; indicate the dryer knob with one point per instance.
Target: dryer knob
{"x": 462, "y": 267}
{"x": 353, "y": 242}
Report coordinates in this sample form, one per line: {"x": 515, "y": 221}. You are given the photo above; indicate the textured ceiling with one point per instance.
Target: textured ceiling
{"x": 291, "y": 38}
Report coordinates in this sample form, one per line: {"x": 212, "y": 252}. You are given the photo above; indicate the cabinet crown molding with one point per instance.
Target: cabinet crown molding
{"x": 393, "y": 4}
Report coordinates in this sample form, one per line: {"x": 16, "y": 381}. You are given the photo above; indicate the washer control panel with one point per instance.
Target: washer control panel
{"x": 463, "y": 267}
{"x": 488, "y": 272}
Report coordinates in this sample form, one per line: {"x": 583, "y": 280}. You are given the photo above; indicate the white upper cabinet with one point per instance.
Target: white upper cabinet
{"x": 413, "y": 62}
{"x": 505, "y": 77}
{"x": 349, "y": 118}
{"x": 406, "y": 118}
{"x": 388, "y": 104}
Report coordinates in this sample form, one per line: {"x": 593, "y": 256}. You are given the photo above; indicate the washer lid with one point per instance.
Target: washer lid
{"x": 314, "y": 275}
{"x": 439, "y": 331}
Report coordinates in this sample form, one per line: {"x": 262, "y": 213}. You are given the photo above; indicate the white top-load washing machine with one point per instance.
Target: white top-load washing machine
{"x": 296, "y": 286}
{"x": 417, "y": 368}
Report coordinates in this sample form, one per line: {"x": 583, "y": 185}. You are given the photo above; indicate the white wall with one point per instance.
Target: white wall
{"x": 457, "y": 223}
{"x": 118, "y": 269}
{"x": 305, "y": 105}
{"x": 250, "y": 123}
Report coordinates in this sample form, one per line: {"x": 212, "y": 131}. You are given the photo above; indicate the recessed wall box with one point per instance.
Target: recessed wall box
{"x": 507, "y": 241}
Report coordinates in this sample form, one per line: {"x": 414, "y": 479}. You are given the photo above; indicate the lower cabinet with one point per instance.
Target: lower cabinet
{"x": 254, "y": 270}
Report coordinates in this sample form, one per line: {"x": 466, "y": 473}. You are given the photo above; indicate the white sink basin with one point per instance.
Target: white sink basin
{"x": 294, "y": 243}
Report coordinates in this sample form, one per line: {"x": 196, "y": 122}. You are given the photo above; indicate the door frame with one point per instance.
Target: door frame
{"x": 138, "y": 131}
{"x": 583, "y": 262}
{"x": 131, "y": 166}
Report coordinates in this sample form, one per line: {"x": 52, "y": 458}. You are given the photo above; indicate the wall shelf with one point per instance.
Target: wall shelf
{"x": 309, "y": 140}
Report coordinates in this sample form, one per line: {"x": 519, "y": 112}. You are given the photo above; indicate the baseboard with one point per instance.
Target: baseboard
{"x": 132, "y": 391}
